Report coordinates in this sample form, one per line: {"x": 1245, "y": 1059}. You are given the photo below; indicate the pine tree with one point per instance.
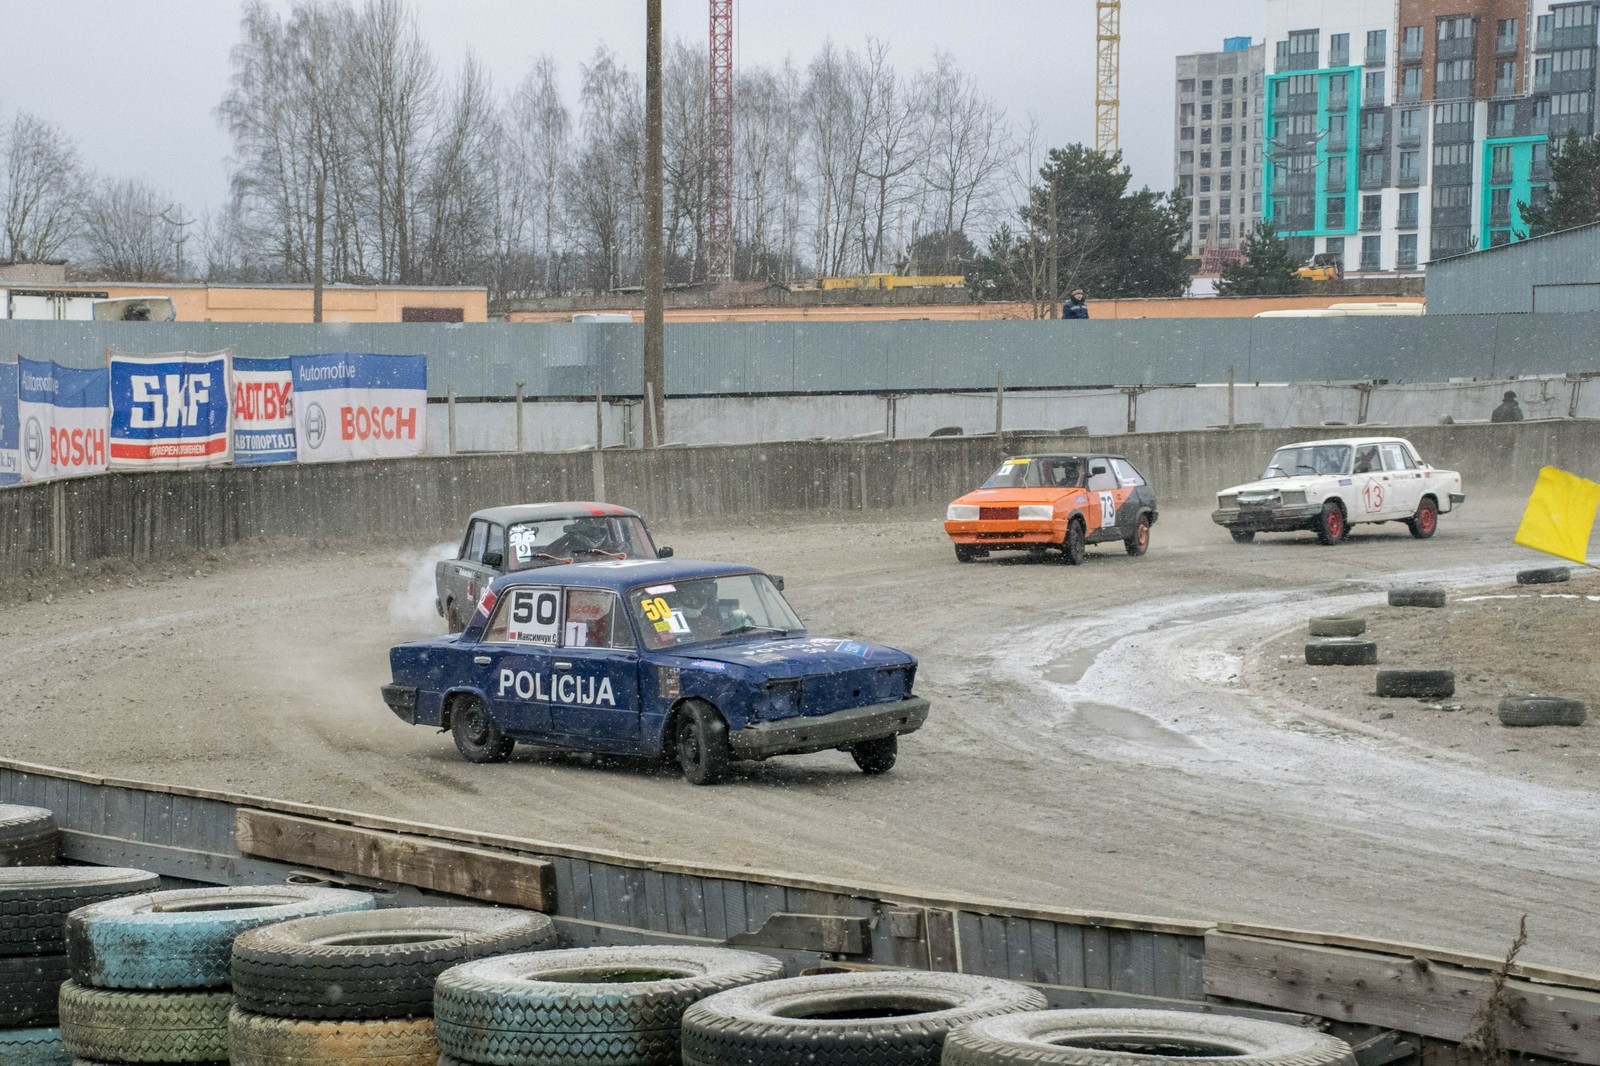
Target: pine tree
{"x": 1573, "y": 195}
{"x": 1267, "y": 269}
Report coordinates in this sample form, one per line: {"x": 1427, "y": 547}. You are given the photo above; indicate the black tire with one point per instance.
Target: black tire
{"x": 966, "y": 553}
{"x": 117, "y": 1026}
{"x": 259, "y": 1040}
{"x": 1139, "y": 543}
{"x": 886, "y": 1018}
{"x": 1417, "y": 596}
{"x": 1541, "y": 710}
{"x": 1072, "y": 543}
{"x": 1425, "y": 522}
{"x": 874, "y": 757}
{"x": 1337, "y": 625}
{"x": 35, "y": 902}
{"x": 1341, "y": 651}
{"x": 1544, "y": 575}
{"x": 1422, "y": 684}
{"x": 372, "y": 964}
{"x": 1242, "y": 536}
{"x": 28, "y": 836}
{"x": 477, "y": 736}
{"x": 596, "y": 1006}
{"x": 1332, "y": 526}
{"x": 183, "y": 938}
{"x": 29, "y": 986}
{"x": 452, "y": 618}
{"x": 33, "y": 1047}
{"x": 1138, "y": 1038}
{"x": 701, "y": 738}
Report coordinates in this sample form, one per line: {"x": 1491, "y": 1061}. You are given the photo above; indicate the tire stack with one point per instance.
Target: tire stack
{"x": 34, "y": 904}
{"x": 588, "y": 1006}
{"x": 1336, "y": 640}
{"x": 28, "y": 836}
{"x": 150, "y": 971}
{"x": 359, "y": 987}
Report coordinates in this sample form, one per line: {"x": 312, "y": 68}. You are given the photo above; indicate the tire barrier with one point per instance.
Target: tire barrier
{"x": 113, "y": 1025}
{"x": 28, "y": 836}
{"x": 1341, "y": 651}
{"x": 261, "y": 1040}
{"x": 1337, "y": 625}
{"x": 33, "y": 1047}
{"x": 29, "y": 985}
{"x": 35, "y": 901}
{"x": 1417, "y": 596}
{"x": 888, "y": 1018}
{"x": 585, "y": 1006}
{"x": 1541, "y": 710}
{"x": 1544, "y": 575}
{"x": 184, "y": 938}
{"x": 372, "y": 964}
{"x": 1138, "y": 1038}
{"x": 1418, "y": 683}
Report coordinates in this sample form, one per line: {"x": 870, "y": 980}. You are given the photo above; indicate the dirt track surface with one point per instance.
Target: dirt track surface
{"x": 1110, "y": 738}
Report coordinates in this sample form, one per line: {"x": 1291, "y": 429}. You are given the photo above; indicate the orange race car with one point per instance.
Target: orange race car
{"x": 1034, "y": 502}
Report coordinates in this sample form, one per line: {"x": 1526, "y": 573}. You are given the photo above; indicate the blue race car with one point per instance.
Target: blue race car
{"x": 702, "y": 663}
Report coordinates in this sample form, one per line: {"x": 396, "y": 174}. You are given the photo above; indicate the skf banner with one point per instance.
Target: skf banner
{"x": 169, "y": 410}
{"x": 64, "y": 419}
{"x": 263, "y": 419}
{"x": 359, "y": 406}
{"x": 9, "y": 472}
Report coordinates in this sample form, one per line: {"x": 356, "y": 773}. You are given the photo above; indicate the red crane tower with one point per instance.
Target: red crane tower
{"x": 719, "y": 219}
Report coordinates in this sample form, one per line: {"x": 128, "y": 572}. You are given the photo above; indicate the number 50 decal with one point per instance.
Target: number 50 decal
{"x": 1108, "y": 510}
{"x": 534, "y": 615}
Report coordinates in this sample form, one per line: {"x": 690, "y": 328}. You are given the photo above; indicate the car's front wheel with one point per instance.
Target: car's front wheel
{"x": 1331, "y": 528}
{"x": 1072, "y": 545}
{"x": 1426, "y": 520}
{"x": 876, "y": 757}
{"x": 702, "y": 741}
{"x": 1242, "y": 536}
{"x": 966, "y": 553}
{"x": 476, "y": 735}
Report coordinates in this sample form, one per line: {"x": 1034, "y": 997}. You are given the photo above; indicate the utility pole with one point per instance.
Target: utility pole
{"x": 719, "y": 212}
{"x": 654, "y": 254}
{"x": 179, "y": 224}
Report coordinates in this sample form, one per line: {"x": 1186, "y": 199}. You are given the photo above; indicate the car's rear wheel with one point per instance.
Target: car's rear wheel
{"x": 477, "y": 736}
{"x": 1426, "y": 520}
{"x": 1331, "y": 528}
{"x": 876, "y": 757}
{"x": 1242, "y": 536}
{"x": 702, "y": 739}
{"x": 1072, "y": 545}
{"x": 1139, "y": 542}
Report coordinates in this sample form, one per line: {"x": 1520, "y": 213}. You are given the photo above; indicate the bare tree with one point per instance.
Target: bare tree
{"x": 965, "y": 147}
{"x": 461, "y": 195}
{"x": 44, "y": 188}
{"x": 834, "y": 147}
{"x": 686, "y": 158}
{"x": 886, "y": 158}
{"x": 605, "y": 182}
{"x": 124, "y": 233}
{"x": 542, "y": 128}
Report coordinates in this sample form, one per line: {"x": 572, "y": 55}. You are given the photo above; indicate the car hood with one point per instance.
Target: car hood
{"x": 1008, "y": 496}
{"x": 1276, "y": 484}
{"x": 794, "y": 656}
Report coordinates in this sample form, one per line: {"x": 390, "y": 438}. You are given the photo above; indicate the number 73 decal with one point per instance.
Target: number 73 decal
{"x": 1108, "y": 509}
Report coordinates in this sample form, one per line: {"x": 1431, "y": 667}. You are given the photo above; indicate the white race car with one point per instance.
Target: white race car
{"x": 1327, "y": 486}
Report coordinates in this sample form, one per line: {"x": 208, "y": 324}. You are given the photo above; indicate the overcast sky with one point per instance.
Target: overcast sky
{"x": 137, "y": 85}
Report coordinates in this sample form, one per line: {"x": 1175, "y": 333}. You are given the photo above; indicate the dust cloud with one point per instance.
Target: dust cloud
{"x": 412, "y": 607}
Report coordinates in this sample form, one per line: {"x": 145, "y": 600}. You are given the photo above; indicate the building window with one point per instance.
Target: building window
{"x": 1205, "y": 87}
{"x": 1407, "y": 218}
{"x": 1205, "y": 231}
{"x": 1575, "y": 15}
{"x": 1572, "y": 59}
{"x": 1452, "y": 155}
{"x": 1227, "y": 86}
{"x": 1505, "y": 35}
{"x": 1406, "y": 252}
{"x": 1503, "y": 120}
{"x": 1336, "y": 172}
{"x": 1410, "y": 124}
{"x": 1339, "y": 50}
{"x": 1205, "y": 134}
{"x": 1205, "y": 206}
{"x": 1458, "y": 28}
{"x": 1335, "y": 246}
{"x": 1374, "y": 87}
{"x": 1500, "y": 163}
{"x": 1225, "y": 230}
{"x": 1205, "y": 112}
{"x": 1453, "y": 70}
{"x": 1569, "y": 104}
{"x": 1371, "y": 249}
{"x": 1411, "y": 43}
{"x": 1226, "y": 133}
{"x": 1377, "y": 46}
{"x": 1227, "y": 158}
{"x": 1186, "y": 159}
{"x": 1226, "y": 183}
{"x": 1411, "y": 83}
{"x": 1226, "y": 204}
{"x": 1449, "y": 197}
{"x": 1334, "y": 216}
{"x": 1410, "y": 168}
{"x": 1541, "y": 116}
{"x": 1227, "y": 110}
{"x": 1205, "y": 183}
{"x": 1186, "y": 184}
{"x": 1205, "y": 160}
{"x": 1186, "y": 85}
{"x": 1454, "y": 113}
{"x": 1372, "y": 123}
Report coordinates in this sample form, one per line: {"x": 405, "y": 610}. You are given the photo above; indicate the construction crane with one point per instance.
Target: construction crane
{"x": 1108, "y": 76}
{"x": 719, "y": 219}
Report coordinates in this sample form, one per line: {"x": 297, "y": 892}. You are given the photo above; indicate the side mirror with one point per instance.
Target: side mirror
{"x": 663, "y": 553}
{"x": 494, "y": 560}
{"x": 777, "y": 581}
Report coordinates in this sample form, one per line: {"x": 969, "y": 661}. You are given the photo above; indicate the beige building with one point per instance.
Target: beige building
{"x": 292, "y": 303}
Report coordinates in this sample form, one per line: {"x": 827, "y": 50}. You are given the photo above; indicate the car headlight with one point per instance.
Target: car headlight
{"x": 783, "y": 698}
{"x": 961, "y": 512}
{"x": 1293, "y": 497}
{"x": 1227, "y": 500}
{"x": 1036, "y": 512}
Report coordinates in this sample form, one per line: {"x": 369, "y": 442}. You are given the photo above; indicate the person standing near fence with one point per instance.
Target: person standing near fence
{"x": 1509, "y": 410}
{"x": 1075, "y": 307}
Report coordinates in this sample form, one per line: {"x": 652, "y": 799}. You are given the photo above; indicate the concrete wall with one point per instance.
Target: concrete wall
{"x": 167, "y": 515}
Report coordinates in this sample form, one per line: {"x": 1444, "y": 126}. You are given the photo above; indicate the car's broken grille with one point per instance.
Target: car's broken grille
{"x": 996, "y": 514}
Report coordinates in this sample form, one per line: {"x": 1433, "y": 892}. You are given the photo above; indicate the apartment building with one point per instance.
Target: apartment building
{"x": 1398, "y": 131}
{"x": 1219, "y": 126}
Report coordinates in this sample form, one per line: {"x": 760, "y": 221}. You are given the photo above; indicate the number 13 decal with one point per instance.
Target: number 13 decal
{"x": 1108, "y": 510}
{"x": 1374, "y": 496}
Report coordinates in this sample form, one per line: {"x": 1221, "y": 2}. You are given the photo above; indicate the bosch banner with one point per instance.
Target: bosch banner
{"x": 359, "y": 406}
{"x": 263, "y": 420}
{"x": 9, "y": 474}
{"x": 169, "y": 410}
{"x": 64, "y": 417}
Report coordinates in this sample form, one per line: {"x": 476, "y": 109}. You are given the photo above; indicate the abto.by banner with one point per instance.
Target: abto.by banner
{"x": 263, "y": 412}
{"x": 356, "y": 405}
{"x": 64, "y": 418}
{"x": 10, "y": 474}
{"x": 169, "y": 410}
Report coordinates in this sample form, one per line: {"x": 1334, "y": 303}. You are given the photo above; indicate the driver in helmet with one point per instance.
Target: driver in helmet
{"x": 587, "y": 535}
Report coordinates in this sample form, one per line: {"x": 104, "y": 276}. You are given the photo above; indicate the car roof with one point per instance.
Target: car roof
{"x": 622, "y": 574}
{"x": 544, "y": 512}
{"x": 1067, "y": 455}
{"x": 1347, "y": 440}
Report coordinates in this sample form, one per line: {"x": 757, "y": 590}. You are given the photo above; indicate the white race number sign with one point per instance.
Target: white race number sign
{"x": 534, "y": 616}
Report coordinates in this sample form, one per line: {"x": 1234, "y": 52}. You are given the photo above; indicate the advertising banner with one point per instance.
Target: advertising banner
{"x": 10, "y": 473}
{"x": 263, "y": 418}
{"x": 352, "y": 405}
{"x": 65, "y": 419}
{"x": 169, "y": 410}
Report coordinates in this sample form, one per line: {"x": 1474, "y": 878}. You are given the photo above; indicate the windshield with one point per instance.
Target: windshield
{"x": 706, "y": 608}
{"x": 1309, "y": 459}
{"x": 1037, "y": 472}
{"x": 582, "y": 537}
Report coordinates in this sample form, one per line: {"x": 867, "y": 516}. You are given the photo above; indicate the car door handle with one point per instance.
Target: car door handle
{"x": 561, "y": 664}
{"x": 481, "y": 660}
